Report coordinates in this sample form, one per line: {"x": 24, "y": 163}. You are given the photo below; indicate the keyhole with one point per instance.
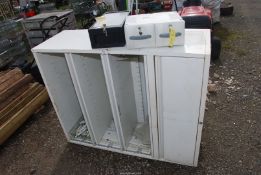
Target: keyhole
{"x": 140, "y": 32}
{"x": 104, "y": 30}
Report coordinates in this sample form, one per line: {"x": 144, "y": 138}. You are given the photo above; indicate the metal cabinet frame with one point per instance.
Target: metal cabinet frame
{"x": 63, "y": 85}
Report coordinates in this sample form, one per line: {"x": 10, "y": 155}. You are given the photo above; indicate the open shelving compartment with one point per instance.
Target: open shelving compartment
{"x": 127, "y": 78}
{"x": 88, "y": 76}
{"x": 58, "y": 81}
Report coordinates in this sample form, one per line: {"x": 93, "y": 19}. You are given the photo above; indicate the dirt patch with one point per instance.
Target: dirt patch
{"x": 229, "y": 37}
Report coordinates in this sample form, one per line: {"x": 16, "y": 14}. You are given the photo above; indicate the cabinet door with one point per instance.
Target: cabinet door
{"x": 179, "y": 82}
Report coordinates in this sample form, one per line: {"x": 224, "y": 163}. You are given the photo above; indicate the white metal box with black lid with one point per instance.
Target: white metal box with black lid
{"x": 108, "y": 30}
{"x": 144, "y": 102}
{"x": 152, "y": 30}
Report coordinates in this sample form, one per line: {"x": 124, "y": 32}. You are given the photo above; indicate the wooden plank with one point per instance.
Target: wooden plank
{"x": 18, "y": 84}
{"x": 9, "y": 82}
{"x": 12, "y": 97}
{"x": 10, "y": 74}
{"x": 17, "y": 99}
{"x": 2, "y": 73}
{"x": 18, "y": 103}
{"x": 9, "y": 127}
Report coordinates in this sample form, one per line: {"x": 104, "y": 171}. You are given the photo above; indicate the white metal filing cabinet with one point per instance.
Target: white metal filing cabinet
{"x": 145, "y": 102}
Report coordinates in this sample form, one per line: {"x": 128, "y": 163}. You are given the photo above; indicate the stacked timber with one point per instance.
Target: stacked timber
{"x": 20, "y": 97}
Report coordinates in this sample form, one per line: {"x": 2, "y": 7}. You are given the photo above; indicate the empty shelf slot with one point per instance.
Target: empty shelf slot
{"x": 89, "y": 78}
{"x": 129, "y": 83}
{"x": 58, "y": 81}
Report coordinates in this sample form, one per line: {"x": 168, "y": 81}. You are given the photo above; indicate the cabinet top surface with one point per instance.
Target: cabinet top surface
{"x": 197, "y": 43}
{"x": 160, "y": 17}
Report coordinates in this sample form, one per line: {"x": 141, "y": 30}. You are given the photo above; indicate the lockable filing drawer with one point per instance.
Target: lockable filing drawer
{"x": 108, "y": 30}
{"x": 139, "y": 31}
{"x": 166, "y": 21}
{"x": 152, "y": 30}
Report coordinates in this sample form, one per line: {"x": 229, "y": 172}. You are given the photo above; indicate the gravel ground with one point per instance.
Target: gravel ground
{"x": 231, "y": 141}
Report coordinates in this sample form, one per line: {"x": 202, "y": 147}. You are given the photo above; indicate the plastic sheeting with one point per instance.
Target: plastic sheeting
{"x": 179, "y": 4}
{"x": 11, "y": 42}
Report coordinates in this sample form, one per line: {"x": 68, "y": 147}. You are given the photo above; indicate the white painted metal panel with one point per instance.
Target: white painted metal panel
{"x": 204, "y": 91}
{"x": 125, "y": 97}
{"x": 164, "y": 21}
{"x": 137, "y": 70}
{"x": 77, "y": 41}
{"x": 162, "y": 33}
{"x": 149, "y": 68}
{"x": 179, "y": 92}
{"x": 143, "y": 88}
{"x": 66, "y": 41}
{"x": 56, "y": 76}
{"x": 139, "y": 36}
{"x": 90, "y": 78}
{"x": 112, "y": 94}
{"x": 175, "y": 93}
{"x": 78, "y": 93}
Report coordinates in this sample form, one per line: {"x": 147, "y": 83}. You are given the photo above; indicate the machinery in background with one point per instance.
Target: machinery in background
{"x": 12, "y": 45}
{"x": 226, "y": 9}
{"x": 151, "y": 6}
{"x": 167, "y": 5}
{"x": 44, "y": 25}
{"x": 87, "y": 10}
{"x": 196, "y": 17}
{"x": 14, "y": 49}
{"x": 199, "y": 17}
{"x": 28, "y": 8}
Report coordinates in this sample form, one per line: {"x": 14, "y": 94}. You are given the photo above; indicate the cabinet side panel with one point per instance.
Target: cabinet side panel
{"x": 91, "y": 80}
{"x": 180, "y": 94}
{"x": 124, "y": 91}
{"x": 56, "y": 76}
{"x": 112, "y": 98}
{"x": 149, "y": 66}
{"x": 204, "y": 91}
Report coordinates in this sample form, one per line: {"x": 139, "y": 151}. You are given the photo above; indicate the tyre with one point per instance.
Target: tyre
{"x": 215, "y": 48}
{"x": 226, "y": 9}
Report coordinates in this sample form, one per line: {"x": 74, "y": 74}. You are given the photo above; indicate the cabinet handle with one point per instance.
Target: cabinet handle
{"x": 166, "y": 35}
{"x": 142, "y": 37}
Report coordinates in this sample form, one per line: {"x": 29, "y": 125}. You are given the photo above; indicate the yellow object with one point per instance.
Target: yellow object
{"x": 172, "y": 36}
{"x": 100, "y": 20}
